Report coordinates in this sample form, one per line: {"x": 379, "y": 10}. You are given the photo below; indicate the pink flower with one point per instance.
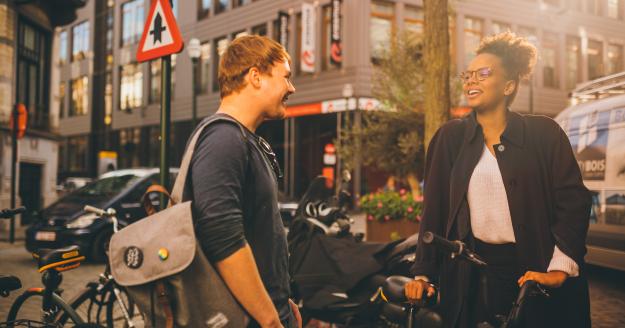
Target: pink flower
{"x": 419, "y": 198}
{"x": 418, "y": 217}
{"x": 380, "y": 204}
{"x": 387, "y": 218}
{"x": 402, "y": 191}
{"x": 370, "y": 218}
{"x": 403, "y": 197}
{"x": 410, "y": 209}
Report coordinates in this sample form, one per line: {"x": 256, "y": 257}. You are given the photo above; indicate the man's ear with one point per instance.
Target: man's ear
{"x": 510, "y": 87}
{"x": 254, "y": 77}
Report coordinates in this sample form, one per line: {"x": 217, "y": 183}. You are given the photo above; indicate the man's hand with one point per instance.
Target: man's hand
{"x": 296, "y": 313}
{"x": 414, "y": 289}
{"x": 552, "y": 279}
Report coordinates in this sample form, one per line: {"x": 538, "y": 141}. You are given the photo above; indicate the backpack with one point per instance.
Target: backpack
{"x": 160, "y": 263}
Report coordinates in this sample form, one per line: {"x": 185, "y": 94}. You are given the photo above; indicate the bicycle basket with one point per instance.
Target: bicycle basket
{"x": 29, "y": 323}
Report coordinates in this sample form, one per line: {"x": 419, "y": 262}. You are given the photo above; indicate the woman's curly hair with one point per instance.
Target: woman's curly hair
{"x": 518, "y": 56}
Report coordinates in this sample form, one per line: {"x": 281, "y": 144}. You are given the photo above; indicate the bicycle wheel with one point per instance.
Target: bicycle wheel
{"x": 115, "y": 312}
{"x": 29, "y": 305}
{"x": 102, "y": 308}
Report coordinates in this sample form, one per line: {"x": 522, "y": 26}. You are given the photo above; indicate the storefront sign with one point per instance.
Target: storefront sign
{"x": 307, "y": 56}
{"x": 589, "y": 138}
{"x": 336, "y": 50}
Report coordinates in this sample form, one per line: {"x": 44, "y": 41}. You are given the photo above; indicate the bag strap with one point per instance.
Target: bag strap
{"x": 147, "y": 203}
{"x": 163, "y": 299}
{"x": 181, "y": 179}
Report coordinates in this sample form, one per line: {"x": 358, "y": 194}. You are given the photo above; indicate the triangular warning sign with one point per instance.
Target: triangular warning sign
{"x": 161, "y": 36}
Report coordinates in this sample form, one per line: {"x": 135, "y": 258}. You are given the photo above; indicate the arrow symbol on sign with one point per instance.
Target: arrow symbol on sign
{"x": 158, "y": 28}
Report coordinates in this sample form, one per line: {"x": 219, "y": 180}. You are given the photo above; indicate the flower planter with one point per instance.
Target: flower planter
{"x": 385, "y": 231}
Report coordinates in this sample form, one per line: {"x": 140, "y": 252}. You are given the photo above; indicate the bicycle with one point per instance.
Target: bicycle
{"x": 100, "y": 303}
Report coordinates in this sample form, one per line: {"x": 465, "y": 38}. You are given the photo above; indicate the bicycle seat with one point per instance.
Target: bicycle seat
{"x": 393, "y": 289}
{"x": 61, "y": 259}
{"x": 9, "y": 284}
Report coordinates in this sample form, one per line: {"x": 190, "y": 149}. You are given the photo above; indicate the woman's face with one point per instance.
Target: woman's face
{"x": 485, "y": 83}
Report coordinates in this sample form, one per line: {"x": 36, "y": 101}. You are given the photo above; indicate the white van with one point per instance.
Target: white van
{"x": 595, "y": 124}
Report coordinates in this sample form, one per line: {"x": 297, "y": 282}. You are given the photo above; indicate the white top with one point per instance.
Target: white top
{"x": 491, "y": 221}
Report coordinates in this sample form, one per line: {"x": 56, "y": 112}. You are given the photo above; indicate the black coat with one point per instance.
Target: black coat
{"x": 548, "y": 202}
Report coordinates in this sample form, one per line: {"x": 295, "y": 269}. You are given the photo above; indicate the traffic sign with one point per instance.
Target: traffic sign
{"x": 161, "y": 36}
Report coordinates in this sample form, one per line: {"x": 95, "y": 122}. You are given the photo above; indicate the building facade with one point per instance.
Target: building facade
{"x": 108, "y": 102}
{"x": 26, "y": 34}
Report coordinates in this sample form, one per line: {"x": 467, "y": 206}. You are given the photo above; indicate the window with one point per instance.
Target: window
{"x": 204, "y": 67}
{"x": 573, "y": 61}
{"x": 129, "y": 140}
{"x": 221, "y": 6}
{"x": 220, "y": 46}
{"x": 527, "y": 31}
{"x": 131, "y": 87}
{"x": 595, "y": 59}
{"x": 595, "y": 7}
{"x": 615, "y": 8}
{"x": 473, "y": 33}
{"x": 204, "y": 8}
{"x": 77, "y": 153}
{"x": 413, "y": 19}
{"x": 575, "y": 5}
{"x": 63, "y": 47}
{"x": 381, "y": 26}
{"x": 132, "y": 21}
{"x": 298, "y": 44}
{"x": 61, "y": 99}
{"x": 239, "y": 3}
{"x": 108, "y": 99}
{"x": 498, "y": 27}
{"x": 615, "y": 58}
{"x": 80, "y": 41}
{"x": 80, "y": 97}
{"x": 553, "y": 3}
{"x": 259, "y": 30}
{"x": 155, "y": 81}
{"x": 282, "y": 29}
{"x": 326, "y": 41}
{"x": 550, "y": 60}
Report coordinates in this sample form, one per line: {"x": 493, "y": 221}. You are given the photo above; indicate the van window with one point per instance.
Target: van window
{"x": 615, "y": 207}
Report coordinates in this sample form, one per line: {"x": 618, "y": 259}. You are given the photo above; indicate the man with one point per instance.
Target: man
{"x": 234, "y": 183}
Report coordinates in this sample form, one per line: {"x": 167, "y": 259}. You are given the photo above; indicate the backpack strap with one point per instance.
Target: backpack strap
{"x": 181, "y": 179}
{"x": 163, "y": 299}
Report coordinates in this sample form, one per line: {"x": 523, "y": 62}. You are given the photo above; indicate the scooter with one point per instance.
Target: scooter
{"x": 338, "y": 278}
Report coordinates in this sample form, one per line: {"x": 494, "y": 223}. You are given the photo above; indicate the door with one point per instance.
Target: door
{"x": 30, "y": 190}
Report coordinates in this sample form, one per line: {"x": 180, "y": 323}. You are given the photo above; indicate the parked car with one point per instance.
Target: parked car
{"x": 65, "y": 222}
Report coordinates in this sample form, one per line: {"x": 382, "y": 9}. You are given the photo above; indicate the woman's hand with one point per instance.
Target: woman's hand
{"x": 552, "y": 279}
{"x": 414, "y": 289}
{"x": 298, "y": 316}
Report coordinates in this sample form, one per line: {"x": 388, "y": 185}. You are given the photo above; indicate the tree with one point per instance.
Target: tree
{"x": 391, "y": 138}
{"x": 437, "y": 66}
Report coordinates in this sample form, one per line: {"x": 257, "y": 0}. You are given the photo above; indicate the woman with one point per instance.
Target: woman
{"x": 508, "y": 185}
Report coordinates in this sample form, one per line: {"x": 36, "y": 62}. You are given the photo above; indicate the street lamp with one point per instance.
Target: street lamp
{"x": 195, "y": 50}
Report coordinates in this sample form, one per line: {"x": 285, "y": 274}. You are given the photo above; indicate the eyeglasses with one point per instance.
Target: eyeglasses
{"x": 480, "y": 73}
{"x": 264, "y": 145}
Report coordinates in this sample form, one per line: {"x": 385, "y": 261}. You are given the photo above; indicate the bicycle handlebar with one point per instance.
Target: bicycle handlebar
{"x": 8, "y": 213}
{"x": 456, "y": 248}
{"x": 108, "y": 213}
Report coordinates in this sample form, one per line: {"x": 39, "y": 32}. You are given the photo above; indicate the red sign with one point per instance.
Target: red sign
{"x": 22, "y": 121}
{"x": 161, "y": 36}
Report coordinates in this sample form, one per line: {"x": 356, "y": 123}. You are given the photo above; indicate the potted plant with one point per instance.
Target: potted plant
{"x": 391, "y": 215}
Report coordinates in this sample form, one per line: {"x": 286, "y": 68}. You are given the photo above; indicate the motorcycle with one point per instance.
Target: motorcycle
{"x": 338, "y": 278}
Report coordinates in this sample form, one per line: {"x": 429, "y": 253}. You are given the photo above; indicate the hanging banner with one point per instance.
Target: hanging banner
{"x": 336, "y": 50}
{"x": 307, "y": 56}
{"x": 283, "y": 29}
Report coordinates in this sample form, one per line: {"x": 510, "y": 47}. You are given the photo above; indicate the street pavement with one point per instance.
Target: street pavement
{"x": 607, "y": 287}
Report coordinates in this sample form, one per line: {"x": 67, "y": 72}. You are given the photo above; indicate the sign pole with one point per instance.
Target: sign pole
{"x": 14, "y": 133}
{"x": 165, "y": 123}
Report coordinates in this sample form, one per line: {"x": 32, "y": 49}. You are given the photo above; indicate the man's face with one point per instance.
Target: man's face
{"x": 277, "y": 88}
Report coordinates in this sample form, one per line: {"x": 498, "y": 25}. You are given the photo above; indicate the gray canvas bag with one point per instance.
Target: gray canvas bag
{"x": 160, "y": 263}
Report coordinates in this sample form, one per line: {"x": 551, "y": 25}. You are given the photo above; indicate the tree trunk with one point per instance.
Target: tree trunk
{"x": 437, "y": 62}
